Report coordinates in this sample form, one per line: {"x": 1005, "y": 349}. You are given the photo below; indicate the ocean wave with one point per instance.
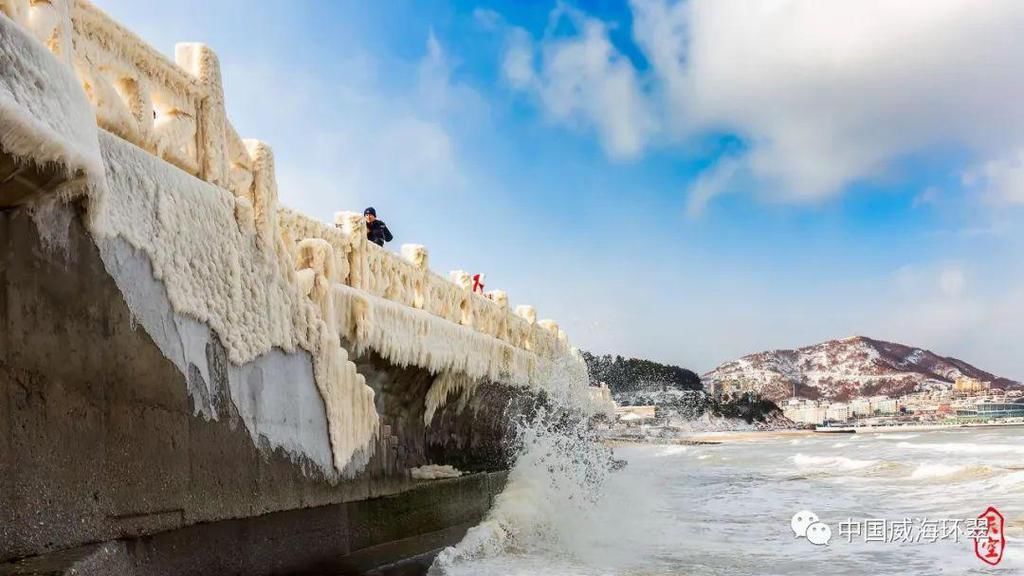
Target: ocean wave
{"x": 949, "y": 471}
{"x": 1011, "y": 481}
{"x": 826, "y": 463}
{"x": 891, "y": 436}
{"x": 672, "y": 450}
{"x": 558, "y": 476}
{"x": 998, "y": 484}
{"x": 965, "y": 448}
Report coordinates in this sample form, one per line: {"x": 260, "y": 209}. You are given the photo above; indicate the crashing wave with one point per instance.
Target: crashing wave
{"x": 560, "y": 472}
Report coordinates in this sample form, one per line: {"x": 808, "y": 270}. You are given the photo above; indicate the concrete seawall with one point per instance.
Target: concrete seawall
{"x": 135, "y": 438}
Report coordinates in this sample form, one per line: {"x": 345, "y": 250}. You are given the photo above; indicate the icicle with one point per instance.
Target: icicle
{"x": 444, "y": 385}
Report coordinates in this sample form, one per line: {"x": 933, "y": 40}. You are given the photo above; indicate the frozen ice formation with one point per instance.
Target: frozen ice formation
{"x": 434, "y": 472}
{"x": 45, "y": 117}
{"x": 167, "y": 173}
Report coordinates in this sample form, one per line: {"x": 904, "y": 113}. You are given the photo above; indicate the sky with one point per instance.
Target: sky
{"x": 685, "y": 181}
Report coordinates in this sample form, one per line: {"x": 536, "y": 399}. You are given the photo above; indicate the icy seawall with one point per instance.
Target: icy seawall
{"x": 217, "y": 469}
{"x": 194, "y": 379}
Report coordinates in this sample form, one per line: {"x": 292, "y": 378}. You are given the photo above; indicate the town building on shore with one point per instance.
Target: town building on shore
{"x": 988, "y": 410}
{"x": 967, "y": 385}
{"x": 883, "y": 405}
{"x": 820, "y": 412}
{"x": 805, "y": 411}
{"x": 860, "y": 407}
{"x": 837, "y": 412}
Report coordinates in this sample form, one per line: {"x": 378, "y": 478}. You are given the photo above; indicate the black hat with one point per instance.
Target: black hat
{"x": 370, "y": 211}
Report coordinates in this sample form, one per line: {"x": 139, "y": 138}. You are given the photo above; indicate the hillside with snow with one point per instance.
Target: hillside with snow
{"x": 841, "y": 369}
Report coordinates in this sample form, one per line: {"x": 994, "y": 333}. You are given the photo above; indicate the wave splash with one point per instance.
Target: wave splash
{"x": 559, "y": 473}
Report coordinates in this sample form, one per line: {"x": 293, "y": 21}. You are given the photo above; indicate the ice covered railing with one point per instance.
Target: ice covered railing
{"x": 260, "y": 275}
{"x": 398, "y": 307}
{"x": 173, "y": 109}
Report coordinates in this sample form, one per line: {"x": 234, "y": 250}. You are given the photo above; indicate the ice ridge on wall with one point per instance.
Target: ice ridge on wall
{"x": 218, "y": 270}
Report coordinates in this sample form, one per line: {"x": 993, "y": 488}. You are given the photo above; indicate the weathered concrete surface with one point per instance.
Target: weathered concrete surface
{"x": 107, "y": 559}
{"x": 105, "y": 437}
{"x": 350, "y": 538}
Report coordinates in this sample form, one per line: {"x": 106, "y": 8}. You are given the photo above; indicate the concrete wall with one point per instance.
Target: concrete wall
{"x": 121, "y": 421}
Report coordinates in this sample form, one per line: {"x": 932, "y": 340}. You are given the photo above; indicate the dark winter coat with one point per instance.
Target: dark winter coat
{"x": 378, "y": 233}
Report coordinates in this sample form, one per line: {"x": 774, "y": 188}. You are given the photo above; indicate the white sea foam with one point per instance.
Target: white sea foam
{"x": 966, "y": 448}
{"x": 831, "y": 463}
{"x": 1012, "y": 481}
{"x": 670, "y": 451}
{"x": 948, "y": 471}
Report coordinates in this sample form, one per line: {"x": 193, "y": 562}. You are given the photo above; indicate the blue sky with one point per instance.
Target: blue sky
{"x": 684, "y": 181}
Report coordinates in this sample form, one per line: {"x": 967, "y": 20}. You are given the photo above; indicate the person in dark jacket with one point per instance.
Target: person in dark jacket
{"x": 376, "y": 230}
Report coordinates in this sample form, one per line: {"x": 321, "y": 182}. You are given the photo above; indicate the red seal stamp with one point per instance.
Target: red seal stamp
{"x": 990, "y": 548}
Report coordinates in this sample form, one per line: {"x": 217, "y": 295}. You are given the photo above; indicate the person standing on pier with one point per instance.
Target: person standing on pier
{"x": 376, "y": 230}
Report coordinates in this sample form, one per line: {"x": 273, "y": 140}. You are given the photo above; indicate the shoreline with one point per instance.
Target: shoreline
{"x": 724, "y": 436}
{"x": 706, "y": 438}
{"x": 916, "y": 427}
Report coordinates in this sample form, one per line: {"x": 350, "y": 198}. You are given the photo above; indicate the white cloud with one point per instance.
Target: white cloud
{"x": 518, "y": 64}
{"x": 487, "y": 19}
{"x": 440, "y": 97}
{"x": 829, "y": 93}
{"x": 956, "y": 310}
{"x": 824, "y": 93}
{"x": 952, "y": 281}
{"x": 583, "y": 80}
{"x": 930, "y": 196}
{"x": 1000, "y": 179}
{"x": 375, "y": 139}
{"x": 710, "y": 184}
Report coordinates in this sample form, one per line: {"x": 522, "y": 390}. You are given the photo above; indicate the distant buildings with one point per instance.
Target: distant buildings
{"x": 805, "y": 412}
{"x": 821, "y": 412}
{"x": 883, "y": 405}
{"x": 860, "y": 407}
{"x": 837, "y": 412}
{"x": 966, "y": 385}
{"x": 969, "y": 400}
{"x": 993, "y": 410}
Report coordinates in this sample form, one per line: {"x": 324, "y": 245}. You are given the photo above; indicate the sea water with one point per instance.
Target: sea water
{"x": 727, "y": 508}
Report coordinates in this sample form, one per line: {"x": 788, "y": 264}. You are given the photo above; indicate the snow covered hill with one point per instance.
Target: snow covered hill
{"x": 840, "y": 369}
